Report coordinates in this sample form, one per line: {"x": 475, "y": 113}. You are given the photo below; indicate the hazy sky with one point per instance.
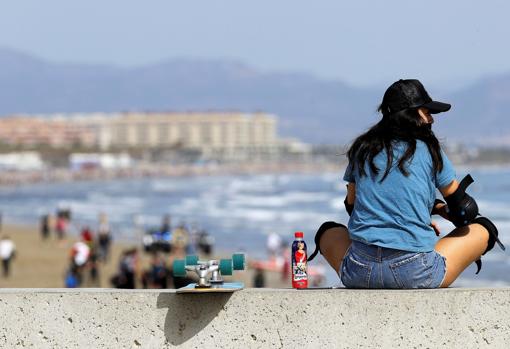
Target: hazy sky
{"x": 362, "y": 42}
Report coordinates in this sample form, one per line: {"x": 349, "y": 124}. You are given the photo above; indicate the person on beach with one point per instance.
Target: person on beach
{"x": 62, "y": 223}
{"x": 7, "y": 253}
{"x": 180, "y": 239}
{"x": 157, "y": 275}
{"x": 87, "y": 236}
{"x": 273, "y": 244}
{"x": 205, "y": 242}
{"x": 45, "y": 226}
{"x": 104, "y": 238}
{"x": 259, "y": 278}
{"x": 166, "y": 224}
{"x": 128, "y": 267}
{"x": 393, "y": 172}
{"x": 72, "y": 277}
{"x": 61, "y": 227}
{"x": 80, "y": 254}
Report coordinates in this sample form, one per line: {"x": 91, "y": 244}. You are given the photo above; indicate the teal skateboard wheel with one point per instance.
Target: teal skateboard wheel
{"x": 192, "y": 260}
{"x": 179, "y": 267}
{"x": 226, "y": 266}
{"x": 238, "y": 261}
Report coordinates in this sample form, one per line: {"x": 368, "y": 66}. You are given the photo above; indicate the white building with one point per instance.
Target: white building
{"x": 81, "y": 161}
{"x": 198, "y": 130}
{"x": 21, "y": 161}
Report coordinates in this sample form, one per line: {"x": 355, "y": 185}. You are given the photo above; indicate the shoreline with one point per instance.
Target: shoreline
{"x": 63, "y": 175}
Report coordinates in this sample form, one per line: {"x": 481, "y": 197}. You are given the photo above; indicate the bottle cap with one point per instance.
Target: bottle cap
{"x": 299, "y": 234}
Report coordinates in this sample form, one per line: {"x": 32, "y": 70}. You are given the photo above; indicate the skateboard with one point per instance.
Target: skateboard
{"x": 209, "y": 273}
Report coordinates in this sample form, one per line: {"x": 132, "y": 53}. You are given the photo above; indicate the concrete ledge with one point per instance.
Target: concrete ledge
{"x": 255, "y": 318}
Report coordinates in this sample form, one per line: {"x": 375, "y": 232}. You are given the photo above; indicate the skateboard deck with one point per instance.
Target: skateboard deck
{"x": 321, "y": 288}
{"x": 227, "y": 287}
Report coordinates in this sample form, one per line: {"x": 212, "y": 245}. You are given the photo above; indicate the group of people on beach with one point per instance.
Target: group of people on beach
{"x": 92, "y": 249}
{"x": 165, "y": 238}
{"x": 86, "y": 254}
{"x": 58, "y": 224}
{"x": 163, "y": 245}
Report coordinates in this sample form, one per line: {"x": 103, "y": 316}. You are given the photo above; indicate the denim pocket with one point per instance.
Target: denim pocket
{"x": 416, "y": 271}
{"x": 355, "y": 274}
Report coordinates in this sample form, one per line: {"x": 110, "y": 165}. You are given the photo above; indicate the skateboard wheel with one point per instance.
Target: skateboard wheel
{"x": 179, "y": 267}
{"x": 238, "y": 261}
{"x": 226, "y": 266}
{"x": 192, "y": 260}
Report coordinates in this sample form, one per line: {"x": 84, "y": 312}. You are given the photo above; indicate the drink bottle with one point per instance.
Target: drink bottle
{"x": 298, "y": 262}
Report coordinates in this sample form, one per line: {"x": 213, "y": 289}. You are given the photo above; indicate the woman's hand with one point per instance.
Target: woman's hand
{"x": 442, "y": 210}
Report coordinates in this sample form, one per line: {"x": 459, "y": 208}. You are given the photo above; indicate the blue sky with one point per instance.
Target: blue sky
{"x": 368, "y": 43}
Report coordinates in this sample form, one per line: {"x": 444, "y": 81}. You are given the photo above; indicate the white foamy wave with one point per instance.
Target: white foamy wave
{"x": 332, "y": 177}
{"x": 164, "y": 186}
{"x": 254, "y": 215}
{"x": 494, "y": 209}
{"x": 337, "y": 204}
{"x": 114, "y": 207}
{"x": 503, "y": 228}
{"x": 283, "y": 200}
{"x": 107, "y": 200}
{"x": 340, "y": 187}
{"x": 187, "y": 205}
{"x": 263, "y": 184}
{"x": 307, "y": 216}
{"x": 284, "y": 179}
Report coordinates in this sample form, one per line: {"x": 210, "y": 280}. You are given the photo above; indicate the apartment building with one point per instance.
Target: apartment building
{"x": 30, "y": 131}
{"x": 186, "y": 130}
{"x": 214, "y": 134}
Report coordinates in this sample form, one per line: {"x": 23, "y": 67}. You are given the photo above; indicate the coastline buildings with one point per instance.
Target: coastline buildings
{"x": 215, "y": 135}
{"x": 33, "y": 130}
{"x": 28, "y": 160}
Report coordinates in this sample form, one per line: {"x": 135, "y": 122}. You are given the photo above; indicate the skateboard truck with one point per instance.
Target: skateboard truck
{"x": 203, "y": 269}
{"x": 209, "y": 272}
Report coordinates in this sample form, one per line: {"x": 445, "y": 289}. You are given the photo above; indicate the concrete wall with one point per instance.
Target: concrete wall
{"x": 265, "y": 318}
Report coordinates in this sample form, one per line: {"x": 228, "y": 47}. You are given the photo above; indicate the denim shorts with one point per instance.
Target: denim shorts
{"x": 370, "y": 266}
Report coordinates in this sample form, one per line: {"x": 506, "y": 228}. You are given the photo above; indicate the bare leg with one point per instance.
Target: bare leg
{"x": 333, "y": 245}
{"x": 462, "y": 247}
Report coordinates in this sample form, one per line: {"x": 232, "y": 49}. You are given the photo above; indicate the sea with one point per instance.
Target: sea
{"x": 239, "y": 211}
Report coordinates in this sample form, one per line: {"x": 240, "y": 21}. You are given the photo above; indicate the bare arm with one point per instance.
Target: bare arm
{"x": 351, "y": 193}
{"x": 449, "y": 189}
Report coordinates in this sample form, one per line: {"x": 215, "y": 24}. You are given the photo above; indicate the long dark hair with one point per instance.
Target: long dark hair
{"x": 402, "y": 126}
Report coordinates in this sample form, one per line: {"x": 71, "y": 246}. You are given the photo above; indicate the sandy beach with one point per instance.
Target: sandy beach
{"x": 43, "y": 263}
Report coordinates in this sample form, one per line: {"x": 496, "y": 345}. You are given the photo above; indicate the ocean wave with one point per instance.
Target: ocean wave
{"x": 283, "y": 200}
{"x": 494, "y": 209}
{"x": 253, "y": 185}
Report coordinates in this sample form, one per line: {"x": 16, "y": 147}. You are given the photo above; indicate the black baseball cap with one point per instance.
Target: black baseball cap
{"x": 410, "y": 93}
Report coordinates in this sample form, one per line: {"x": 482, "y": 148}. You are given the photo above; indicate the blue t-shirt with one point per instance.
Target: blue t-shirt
{"x": 395, "y": 213}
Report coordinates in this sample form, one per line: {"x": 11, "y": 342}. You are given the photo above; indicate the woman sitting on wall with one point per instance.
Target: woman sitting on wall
{"x": 393, "y": 172}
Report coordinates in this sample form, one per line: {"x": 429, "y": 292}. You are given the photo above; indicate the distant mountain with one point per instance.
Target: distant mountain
{"x": 481, "y": 112}
{"x": 309, "y": 108}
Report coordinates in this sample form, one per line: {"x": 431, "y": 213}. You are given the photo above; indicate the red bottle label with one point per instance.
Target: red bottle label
{"x": 299, "y": 264}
